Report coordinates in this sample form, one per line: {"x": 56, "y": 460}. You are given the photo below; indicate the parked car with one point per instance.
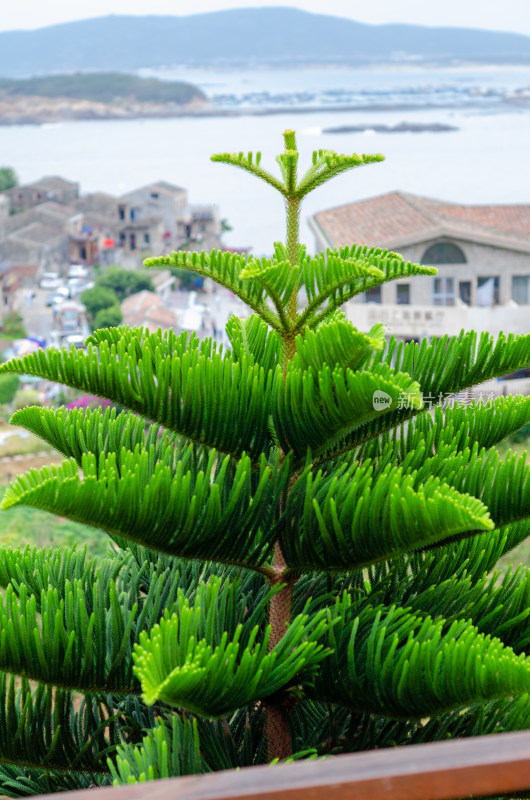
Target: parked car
{"x": 57, "y": 296}
{"x": 50, "y": 280}
{"x": 78, "y": 271}
{"x": 75, "y": 339}
{"x": 77, "y": 286}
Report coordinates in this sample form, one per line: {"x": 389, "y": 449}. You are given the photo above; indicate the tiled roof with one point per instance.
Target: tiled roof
{"x": 39, "y": 233}
{"x": 99, "y": 203}
{"x": 399, "y": 218}
{"x": 160, "y": 187}
{"x": 50, "y": 183}
{"x": 49, "y": 213}
{"x": 168, "y": 187}
{"x": 140, "y": 302}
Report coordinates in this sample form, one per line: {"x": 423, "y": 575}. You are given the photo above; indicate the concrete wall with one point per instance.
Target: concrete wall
{"x": 149, "y": 201}
{"x": 482, "y": 261}
{"x": 417, "y": 322}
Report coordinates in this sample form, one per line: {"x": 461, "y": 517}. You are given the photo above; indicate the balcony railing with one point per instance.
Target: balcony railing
{"x": 497, "y": 765}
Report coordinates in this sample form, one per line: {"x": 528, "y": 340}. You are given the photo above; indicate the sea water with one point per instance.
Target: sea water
{"x": 486, "y": 160}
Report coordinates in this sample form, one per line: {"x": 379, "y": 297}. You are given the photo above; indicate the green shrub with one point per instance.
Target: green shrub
{"x": 109, "y": 317}
{"x": 26, "y": 397}
{"x": 303, "y": 550}
{"x": 8, "y": 388}
{"x": 8, "y": 178}
{"x": 125, "y": 282}
{"x": 13, "y": 326}
{"x": 98, "y": 298}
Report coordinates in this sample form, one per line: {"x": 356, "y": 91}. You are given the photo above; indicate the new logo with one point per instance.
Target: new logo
{"x": 381, "y": 400}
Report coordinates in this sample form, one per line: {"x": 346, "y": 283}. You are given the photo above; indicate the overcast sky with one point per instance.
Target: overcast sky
{"x": 507, "y": 15}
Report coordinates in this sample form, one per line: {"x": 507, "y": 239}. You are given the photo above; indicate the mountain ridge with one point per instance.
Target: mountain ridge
{"x": 244, "y": 36}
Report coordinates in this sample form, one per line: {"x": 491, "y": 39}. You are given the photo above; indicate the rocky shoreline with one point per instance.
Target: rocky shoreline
{"x": 402, "y": 127}
{"x": 30, "y": 110}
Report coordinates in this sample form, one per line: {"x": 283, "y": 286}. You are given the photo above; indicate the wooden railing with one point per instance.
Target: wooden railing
{"x": 489, "y": 765}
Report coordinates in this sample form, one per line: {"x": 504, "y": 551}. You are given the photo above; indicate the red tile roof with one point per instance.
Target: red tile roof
{"x": 399, "y": 218}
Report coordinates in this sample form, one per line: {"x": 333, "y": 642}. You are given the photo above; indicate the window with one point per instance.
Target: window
{"x": 132, "y": 213}
{"x": 122, "y": 238}
{"x": 521, "y": 289}
{"x": 147, "y": 238}
{"x": 155, "y": 195}
{"x": 132, "y": 241}
{"x": 403, "y": 294}
{"x": 488, "y": 291}
{"x": 444, "y": 292}
{"x": 121, "y": 212}
{"x": 373, "y": 295}
{"x": 464, "y": 292}
{"x": 443, "y": 253}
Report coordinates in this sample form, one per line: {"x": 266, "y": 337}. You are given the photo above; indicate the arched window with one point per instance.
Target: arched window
{"x": 443, "y": 253}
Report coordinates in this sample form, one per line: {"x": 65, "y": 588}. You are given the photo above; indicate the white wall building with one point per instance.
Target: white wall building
{"x": 482, "y": 254}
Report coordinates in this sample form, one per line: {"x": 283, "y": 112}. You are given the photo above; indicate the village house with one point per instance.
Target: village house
{"x": 48, "y": 225}
{"x": 52, "y": 187}
{"x": 482, "y": 254}
{"x": 96, "y": 239}
{"x": 148, "y": 217}
{"x": 39, "y": 235}
{"x": 200, "y": 228}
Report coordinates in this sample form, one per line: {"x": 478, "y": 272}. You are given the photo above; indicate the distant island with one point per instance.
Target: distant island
{"x": 246, "y": 37}
{"x": 401, "y": 127}
{"x": 95, "y": 96}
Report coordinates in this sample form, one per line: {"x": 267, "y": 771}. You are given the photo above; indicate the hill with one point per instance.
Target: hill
{"x": 101, "y": 95}
{"x": 103, "y": 88}
{"x": 242, "y": 36}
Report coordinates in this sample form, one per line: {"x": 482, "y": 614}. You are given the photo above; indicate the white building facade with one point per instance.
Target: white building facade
{"x": 482, "y": 254}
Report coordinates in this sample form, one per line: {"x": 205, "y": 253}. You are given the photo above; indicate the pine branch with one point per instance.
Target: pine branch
{"x": 137, "y": 498}
{"x": 458, "y": 427}
{"x": 278, "y": 278}
{"x": 442, "y": 368}
{"x": 479, "y": 720}
{"x": 63, "y": 643}
{"x": 170, "y": 382}
{"x": 388, "y": 662}
{"x": 339, "y": 275}
{"x": 503, "y": 486}
{"x": 327, "y": 164}
{"x": 252, "y": 339}
{"x": 169, "y": 749}
{"x": 188, "y": 662}
{"x": 318, "y": 410}
{"x": 248, "y": 164}
{"x": 76, "y": 432}
{"x": 409, "y": 575}
{"x": 496, "y": 605}
{"x": 41, "y": 730}
{"x": 330, "y": 525}
{"x": 226, "y": 270}
{"x": 18, "y": 781}
{"x": 337, "y": 343}
{"x": 185, "y": 745}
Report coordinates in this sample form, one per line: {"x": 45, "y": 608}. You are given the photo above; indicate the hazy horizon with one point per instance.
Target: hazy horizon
{"x": 512, "y": 16}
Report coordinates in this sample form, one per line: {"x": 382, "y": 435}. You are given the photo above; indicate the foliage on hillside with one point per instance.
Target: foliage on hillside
{"x": 102, "y": 302}
{"x": 8, "y": 178}
{"x": 103, "y": 88}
